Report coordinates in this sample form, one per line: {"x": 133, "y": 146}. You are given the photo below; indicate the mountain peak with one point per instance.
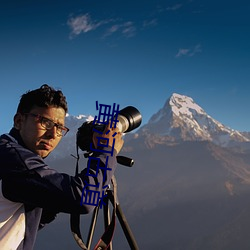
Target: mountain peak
{"x": 182, "y": 104}
{"x": 182, "y": 119}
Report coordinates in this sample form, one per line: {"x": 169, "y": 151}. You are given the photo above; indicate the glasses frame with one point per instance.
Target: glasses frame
{"x": 64, "y": 130}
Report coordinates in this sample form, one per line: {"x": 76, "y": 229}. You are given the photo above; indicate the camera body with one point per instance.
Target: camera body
{"x": 129, "y": 119}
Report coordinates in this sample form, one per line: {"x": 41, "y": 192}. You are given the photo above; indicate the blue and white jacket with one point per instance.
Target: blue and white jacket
{"x": 31, "y": 193}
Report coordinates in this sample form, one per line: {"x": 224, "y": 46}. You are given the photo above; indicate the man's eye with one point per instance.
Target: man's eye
{"x": 48, "y": 123}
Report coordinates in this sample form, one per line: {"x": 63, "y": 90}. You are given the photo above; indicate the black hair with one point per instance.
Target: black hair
{"x": 45, "y": 96}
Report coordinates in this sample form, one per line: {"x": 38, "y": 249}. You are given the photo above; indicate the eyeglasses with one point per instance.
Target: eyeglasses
{"x": 49, "y": 124}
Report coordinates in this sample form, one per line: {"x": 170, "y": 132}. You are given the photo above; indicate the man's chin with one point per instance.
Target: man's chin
{"x": 43, "y": 153}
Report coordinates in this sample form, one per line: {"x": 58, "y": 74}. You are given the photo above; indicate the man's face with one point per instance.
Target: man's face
{"x": 35, "y": 137}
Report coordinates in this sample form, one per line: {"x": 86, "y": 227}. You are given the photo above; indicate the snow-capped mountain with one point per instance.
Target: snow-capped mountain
{"x": 182, "y": 119}
{"x": 180, "y": 176}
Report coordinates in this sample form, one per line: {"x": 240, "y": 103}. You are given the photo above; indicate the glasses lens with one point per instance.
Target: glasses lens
{"x": 62, "y": 130}
{"x": 48, "y": 124}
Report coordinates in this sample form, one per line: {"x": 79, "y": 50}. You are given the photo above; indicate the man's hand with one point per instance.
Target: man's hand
{"x": 110, "y": 138}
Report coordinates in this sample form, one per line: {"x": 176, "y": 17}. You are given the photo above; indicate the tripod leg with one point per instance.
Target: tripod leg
{"x": 126, "y": 229}
{"x": 124, "y": 224}
{"x": 92, "y": 227}
{"x": 106, "y": 215}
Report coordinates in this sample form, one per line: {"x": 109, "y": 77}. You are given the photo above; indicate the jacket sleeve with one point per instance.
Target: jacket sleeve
{"x": 27, "y": 179}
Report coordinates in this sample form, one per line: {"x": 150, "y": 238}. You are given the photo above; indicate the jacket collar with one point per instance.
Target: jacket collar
{"x": 16, "y": 135}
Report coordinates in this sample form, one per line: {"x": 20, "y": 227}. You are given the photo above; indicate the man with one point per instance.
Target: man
{"x": 28, "y": 187}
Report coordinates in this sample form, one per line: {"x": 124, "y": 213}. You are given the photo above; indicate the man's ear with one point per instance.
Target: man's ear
{"x": 18, "y": 119}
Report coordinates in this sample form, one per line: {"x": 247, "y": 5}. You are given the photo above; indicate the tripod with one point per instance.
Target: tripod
{"x": 106, "y": 240}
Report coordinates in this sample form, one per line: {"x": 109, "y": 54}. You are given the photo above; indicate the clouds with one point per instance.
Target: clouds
{"x": 84, "y": 24}
{"x": 189, "y": 51}
{"x": 174, "y": 7}
{"x": 122, "y": 27}
{"x": 127, "y": 29}
{"x": 150, "y": 23}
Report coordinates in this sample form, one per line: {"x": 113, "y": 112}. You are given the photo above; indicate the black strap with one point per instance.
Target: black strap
{"x": 104, "y": 241}
{"x": 107, "y": 237}
{"x": 75, "y": 229}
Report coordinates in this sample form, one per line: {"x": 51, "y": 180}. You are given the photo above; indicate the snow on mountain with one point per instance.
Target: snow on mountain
{"x": 74, "y": 122}
{"x": 182, "y": 119}
{"x": 67, "y": 146}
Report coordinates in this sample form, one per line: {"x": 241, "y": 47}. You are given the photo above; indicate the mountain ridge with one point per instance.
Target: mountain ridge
{"x": 182, "y": 119}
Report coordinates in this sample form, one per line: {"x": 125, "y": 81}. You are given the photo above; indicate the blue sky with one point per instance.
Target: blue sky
{"x": 128, "y": 52}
